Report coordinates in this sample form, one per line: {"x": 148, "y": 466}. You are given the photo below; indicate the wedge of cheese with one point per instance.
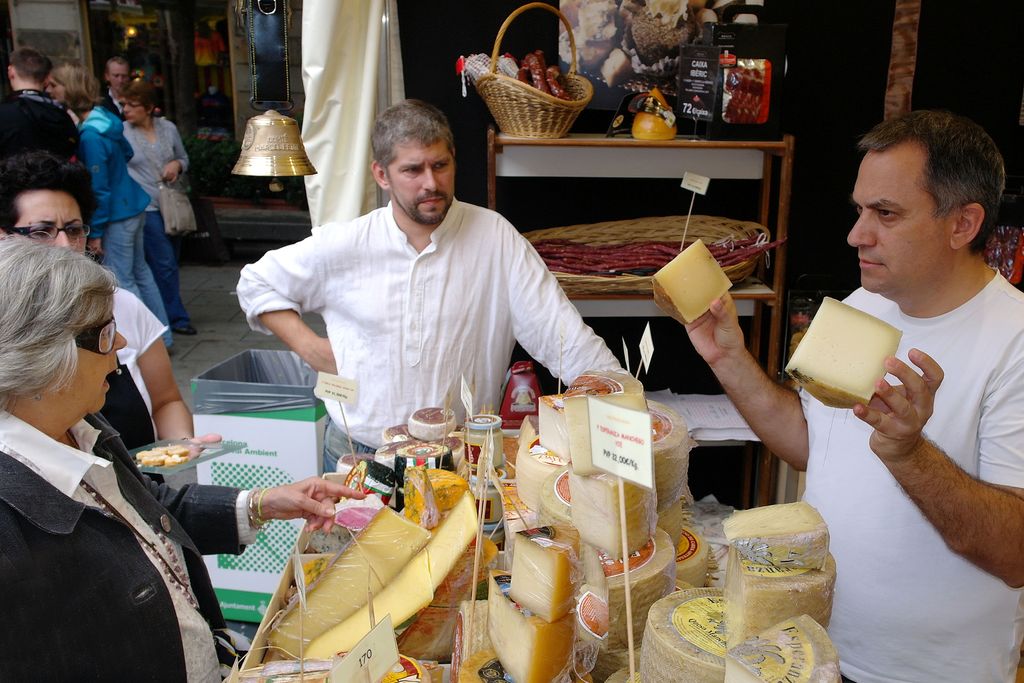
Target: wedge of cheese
{"x": 798, "y": 650}
{"x": 531, "y": 649}
{"x": 468, "y": 641}
{"x": 534, "y": 464}
{"x": 685, "y": 287}
{"x": 842, "y": 354}
{"x": 785, "y": 535}
{"x": 595, "y": 512}
{"x": 413, "y": 588}
{"x": 386, "y": 544}
{"x": 615, "y": 387}
{"x": 551, "y": 422}
{"x": 758, "y": 595}
{"x": 544, "y": 574}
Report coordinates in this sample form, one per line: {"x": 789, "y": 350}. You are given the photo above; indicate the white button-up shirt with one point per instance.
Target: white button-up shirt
{"x": 407, "y": 325}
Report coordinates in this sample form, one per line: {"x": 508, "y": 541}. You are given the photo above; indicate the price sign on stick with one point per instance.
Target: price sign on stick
{"x": 620, "y": 441}
{"x": 333, "y": 388}
{"x": 646, "y": 348}
{"x": 697, "y": 184}
{"x": 625, "y": 355}
{"x": 467, "y": 398}
{"x": 371, "y": 659}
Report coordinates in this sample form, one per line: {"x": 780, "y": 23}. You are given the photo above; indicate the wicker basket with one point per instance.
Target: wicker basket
{"x": 522, "y": 110}
{"x": 710, "y": 229}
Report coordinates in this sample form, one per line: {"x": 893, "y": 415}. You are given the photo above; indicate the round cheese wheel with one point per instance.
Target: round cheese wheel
{"x": 555, "y": 499}
{"x": 622, "y": 676}
{"x": 672, "y": 519}
{"x": 431, "y": 424}
{"x": 692, "y": 558}
{"x": 395, "y": 433}
{"x": 685, "y": 639}
{"x": 480, "y": 667}
{"x": 671, "y": 446}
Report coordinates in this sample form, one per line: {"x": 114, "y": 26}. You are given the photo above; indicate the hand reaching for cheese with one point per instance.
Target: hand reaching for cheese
{"x": 899, "y": 413}
{"x": 716, "y": 335}
{"x": 311, "y": 499}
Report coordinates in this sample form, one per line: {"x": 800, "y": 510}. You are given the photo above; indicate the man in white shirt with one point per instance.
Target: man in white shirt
{"x": 923, "y": 488}
{"x": 417, "y": 294}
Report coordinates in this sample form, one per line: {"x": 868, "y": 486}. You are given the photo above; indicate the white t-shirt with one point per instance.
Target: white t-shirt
{"x": 907, "y": 609}
{"x": 140, "y": 328}
{"x": 407, "y": 326}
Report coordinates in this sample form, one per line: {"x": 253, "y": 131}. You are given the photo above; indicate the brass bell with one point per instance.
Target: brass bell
{"x": 272, "y": 146}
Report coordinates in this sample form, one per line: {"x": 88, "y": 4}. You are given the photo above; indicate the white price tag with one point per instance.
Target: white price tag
{"x": 625, "y": 356}
{"x": 620, "y": 441}
{"x": 467, "y": 398}
{"x": 333, "y": 388}
{"x": 646, "y": 348}
{"x": 695, "y": 182}
{"x": 376, "y": 653}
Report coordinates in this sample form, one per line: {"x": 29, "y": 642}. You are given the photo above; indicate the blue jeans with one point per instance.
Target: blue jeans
{"x": 124, "y": 255}
{"x": 336, "y": 445}
{"x": 162, "y": 252}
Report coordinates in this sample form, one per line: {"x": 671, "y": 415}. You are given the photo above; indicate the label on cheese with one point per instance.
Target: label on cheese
{"x": 768, "y": 571}
{"x": 637, "y": 559}
{"x": 692, "y": 558}
{"x": 699, "y": 621}
{"x": 684, "y": 639}
{"x": 592, "y": 613}
{"x": 796, "y": 650}
{"x": 562, "y": 488}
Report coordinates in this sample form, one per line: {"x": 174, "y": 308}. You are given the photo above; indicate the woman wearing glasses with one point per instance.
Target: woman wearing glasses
{"x": 45, "y": 198}
{"x": 119, "y": 218}
{"x": 98, "y": 560}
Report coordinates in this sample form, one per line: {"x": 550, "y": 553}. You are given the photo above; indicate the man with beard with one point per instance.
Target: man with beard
{"x": 417, "y": 294}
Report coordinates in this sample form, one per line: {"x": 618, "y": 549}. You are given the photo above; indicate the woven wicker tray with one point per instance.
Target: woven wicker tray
{"x": 710, "y": 229}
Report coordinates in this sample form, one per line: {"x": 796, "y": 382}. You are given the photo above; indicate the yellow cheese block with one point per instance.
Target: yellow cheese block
{"x": 534, "y": 464}
{"x": 615, "y": 387}
{"x": 595, "y": 512}
{"x": 685, "y": 287}
{"x": 797, "y": 650}
{"x": 413, "y": 588}
{"x": 758, "y": 596}
{"x": 684, "y": 638}
{"x": 542, "y": 575}
{"x": 842, "y": 354}
{"x": 530, "y": 649}
{"x": 785, "y": 535}
{"x": 386, "y": 544}
{"x": 551, "y": 420}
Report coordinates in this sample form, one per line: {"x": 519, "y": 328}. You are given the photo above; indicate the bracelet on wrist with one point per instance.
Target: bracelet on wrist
{"x": 252, "y": 505}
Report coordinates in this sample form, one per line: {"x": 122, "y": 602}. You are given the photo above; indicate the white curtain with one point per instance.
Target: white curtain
{"x": 341, "y": 74}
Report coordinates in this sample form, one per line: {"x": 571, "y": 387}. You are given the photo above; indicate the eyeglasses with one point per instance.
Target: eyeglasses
{"x": 99, "y": 339}
{"x": 48, "y": 231}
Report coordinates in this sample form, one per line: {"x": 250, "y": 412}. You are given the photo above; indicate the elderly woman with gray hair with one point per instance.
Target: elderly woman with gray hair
{"x": 98, "y": 561}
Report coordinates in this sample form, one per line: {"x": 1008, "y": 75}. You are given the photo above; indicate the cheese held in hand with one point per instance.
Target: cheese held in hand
{"x": 842, "y": 354}
{"x": 685, "y": 287}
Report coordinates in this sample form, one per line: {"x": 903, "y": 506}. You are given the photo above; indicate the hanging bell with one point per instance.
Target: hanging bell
{"x": 272, "y": 146}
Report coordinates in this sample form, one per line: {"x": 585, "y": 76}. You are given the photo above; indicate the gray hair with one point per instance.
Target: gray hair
{"x": 50, "y": 296}
{"x": 962, "y": 165}
{"x": 409, "y": 121}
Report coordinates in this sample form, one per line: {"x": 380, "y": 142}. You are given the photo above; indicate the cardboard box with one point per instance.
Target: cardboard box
{"x": 264, "y": 398}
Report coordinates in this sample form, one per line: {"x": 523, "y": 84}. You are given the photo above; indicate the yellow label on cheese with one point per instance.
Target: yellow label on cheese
{"x": 767, "y": 571}
{"x": 699, "y": 621}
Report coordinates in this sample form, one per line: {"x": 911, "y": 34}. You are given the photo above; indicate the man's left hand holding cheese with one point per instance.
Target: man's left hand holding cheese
{"x": 419, "y": 293}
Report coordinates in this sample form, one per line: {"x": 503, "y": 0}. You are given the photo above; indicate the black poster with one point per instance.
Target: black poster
{"x": 698, "y": 82}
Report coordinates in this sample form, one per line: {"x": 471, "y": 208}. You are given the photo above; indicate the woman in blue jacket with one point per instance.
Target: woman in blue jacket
{"x": 117, "y": 224}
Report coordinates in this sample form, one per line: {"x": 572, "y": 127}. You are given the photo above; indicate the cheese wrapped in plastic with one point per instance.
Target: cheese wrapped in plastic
{"x": 383, "y": 550}
{"x": 784, "y": 535}
{"x": 595, "y": 512}
{"x": 671, "y": 446}
{"x": 685, "y": 638}
{"x": 693, "y": 558}
{"x": 431, "y": 424}
{"x": 534, "y": 464}
{"x": 556, "y": 500}
{"x": 615, "y": 387}
{"x": 420, "y": 506}
{"x": 671, "y": 520}
{"x": 546, "y": 571}
{"x": 758, "y": 596}
{"x": 797, "y": 650}
{"x": 554, "y": 433}
{"x": 470, "y": 640}
{"x": 652, "y": 576}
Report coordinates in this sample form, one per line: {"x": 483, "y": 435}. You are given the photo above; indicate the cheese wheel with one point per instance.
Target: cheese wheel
{"x": 595, "y": 512}
{"x": 785, "y": 535}
{"x": 530, "y": 649}
{"x": 652, "y": 576}
{"x": 554, "y": 433}
{"x": 469, "y": 642}
{"x": 842, "y": 354}
{"x": 395, "y": 433}
{"x": 478, "y": 667}
{"x": 622, "y": 676}
{"x": 556, "y": 499}
{"x": 797, "y": 650}
{"x": 672, "y": 520}
{"x": 534, "y": 464}
{"x": 616, "y": 387}
{"x": 693, "y": 556}
{"x": 431, "y": 424}
{"x": 684, "y": 638}
{"x": 758, "y": 596}
{"x": 671, "y": 446}
{"x": 685, "y": 287}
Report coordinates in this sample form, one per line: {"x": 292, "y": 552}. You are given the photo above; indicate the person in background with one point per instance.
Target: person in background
{"x": 418, "y": 294}
{"x": 117, "y": 224}
{"x": 30, "y": 118}
{"x": 51, "y": 199}
{"x": 922, "y": 488}
{"x": 117, "y": 74}
{"x": 97, "y": 557}
{"x": 159, "y": 158}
